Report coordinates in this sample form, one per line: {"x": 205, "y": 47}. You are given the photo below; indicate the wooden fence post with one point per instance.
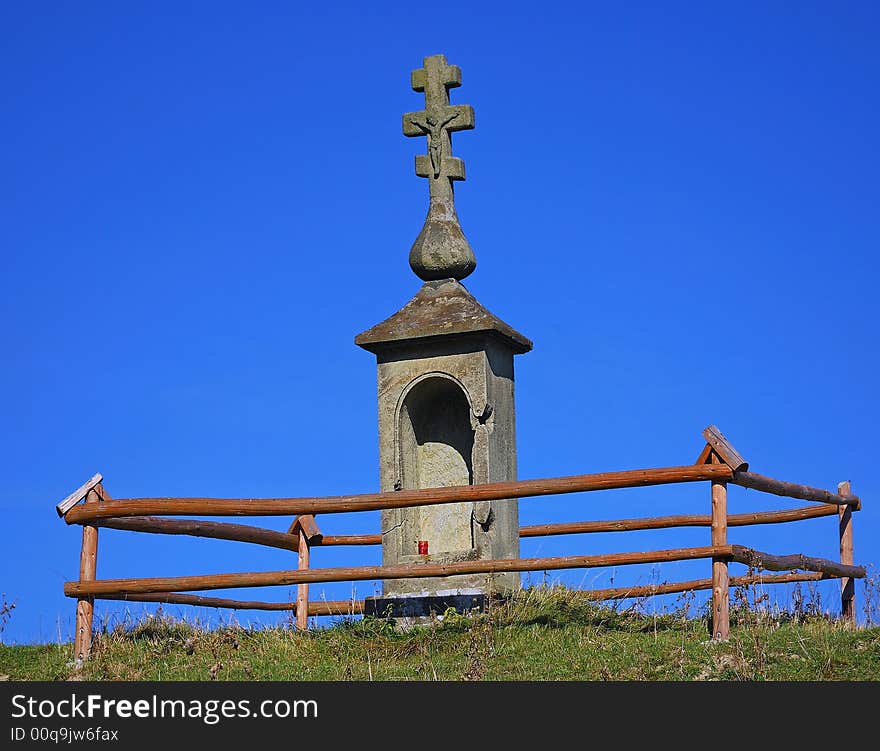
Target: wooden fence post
{"x": 720, "y": 576}
{"x": 307, "y": 532}
{"x": 85, "y": 606}
{"x": 302, "y": 590}
{"x": 847, "y": 584}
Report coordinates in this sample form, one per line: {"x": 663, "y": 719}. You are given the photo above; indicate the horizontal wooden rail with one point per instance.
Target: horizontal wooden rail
{"x": 198, "y": 528}
{"x": 353, "y": 540}
{"x": 274, "y": 539}
{"x": 633, "y": 478}
{"x": 753, "y": 518}
{"x": 756, "y": 558}
{"x": 792, "y": 490}
{"x": 353, "y": 607}
{"x": 615, "y": 525}
{"x": 628, "y": 525}
{"x": 400, "y": 571}
{"x": 683, "y": 520}
{"x": 649, "y": 590}
{"x": 319, "y": 607}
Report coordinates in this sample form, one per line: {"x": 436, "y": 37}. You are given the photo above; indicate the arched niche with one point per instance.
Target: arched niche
{"x": 435, "y": 449}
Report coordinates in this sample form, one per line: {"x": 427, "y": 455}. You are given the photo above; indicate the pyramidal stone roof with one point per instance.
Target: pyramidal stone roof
{"x": 440, "y": 308}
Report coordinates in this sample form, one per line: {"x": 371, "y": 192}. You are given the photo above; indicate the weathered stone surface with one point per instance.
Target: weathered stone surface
{"x": 441, "y": 249}
{"x": 445, "y": 384}
{"x": 446, "y": 417}
{"x": 446, "y": 412}
{"x": 437, "y": 121}
{"x": 440, "y": 308}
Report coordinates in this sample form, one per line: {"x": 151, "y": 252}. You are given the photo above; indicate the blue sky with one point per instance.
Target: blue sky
{"x": 204, "y": 203}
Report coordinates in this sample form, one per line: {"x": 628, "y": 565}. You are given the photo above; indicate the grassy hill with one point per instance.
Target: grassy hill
{"x": 541, "y": 635}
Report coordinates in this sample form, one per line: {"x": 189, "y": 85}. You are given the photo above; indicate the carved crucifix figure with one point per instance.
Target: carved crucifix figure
{"x": 437, "y": 121}
{"x": 441, "y": 250}
{"x": 433, "y": 128}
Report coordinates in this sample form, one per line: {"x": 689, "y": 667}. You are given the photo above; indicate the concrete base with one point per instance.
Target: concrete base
{"x": 411, "y": 610}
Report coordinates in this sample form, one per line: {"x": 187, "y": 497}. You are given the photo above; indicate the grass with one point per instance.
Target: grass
{"x": 542, "y": 634}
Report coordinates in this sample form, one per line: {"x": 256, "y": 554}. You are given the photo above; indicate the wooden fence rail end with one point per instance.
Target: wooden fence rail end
{"x": 758, "y": 559}
{"x": 791, "y": 489}
{"x": 715, "y": 438}
{"x": 62, "y": 507}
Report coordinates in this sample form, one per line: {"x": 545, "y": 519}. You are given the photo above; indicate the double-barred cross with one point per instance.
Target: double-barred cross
{"x": 437, "y": 121}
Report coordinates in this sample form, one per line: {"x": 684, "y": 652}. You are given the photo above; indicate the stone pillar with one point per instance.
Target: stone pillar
{"x": 447, "y": 417}
{"x": 446, "y": 408}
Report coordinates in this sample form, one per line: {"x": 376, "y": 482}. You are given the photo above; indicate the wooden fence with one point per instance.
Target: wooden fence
{"x": 719, "y": 464}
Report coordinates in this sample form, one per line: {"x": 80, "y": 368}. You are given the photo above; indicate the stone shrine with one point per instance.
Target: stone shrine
{"x": 445, "y": 382}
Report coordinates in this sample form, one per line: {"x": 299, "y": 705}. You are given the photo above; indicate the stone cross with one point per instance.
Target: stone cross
{"x": 446, "y": 392}
{"x": 437, "y": 121}
{"x": 441, "y": 250}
